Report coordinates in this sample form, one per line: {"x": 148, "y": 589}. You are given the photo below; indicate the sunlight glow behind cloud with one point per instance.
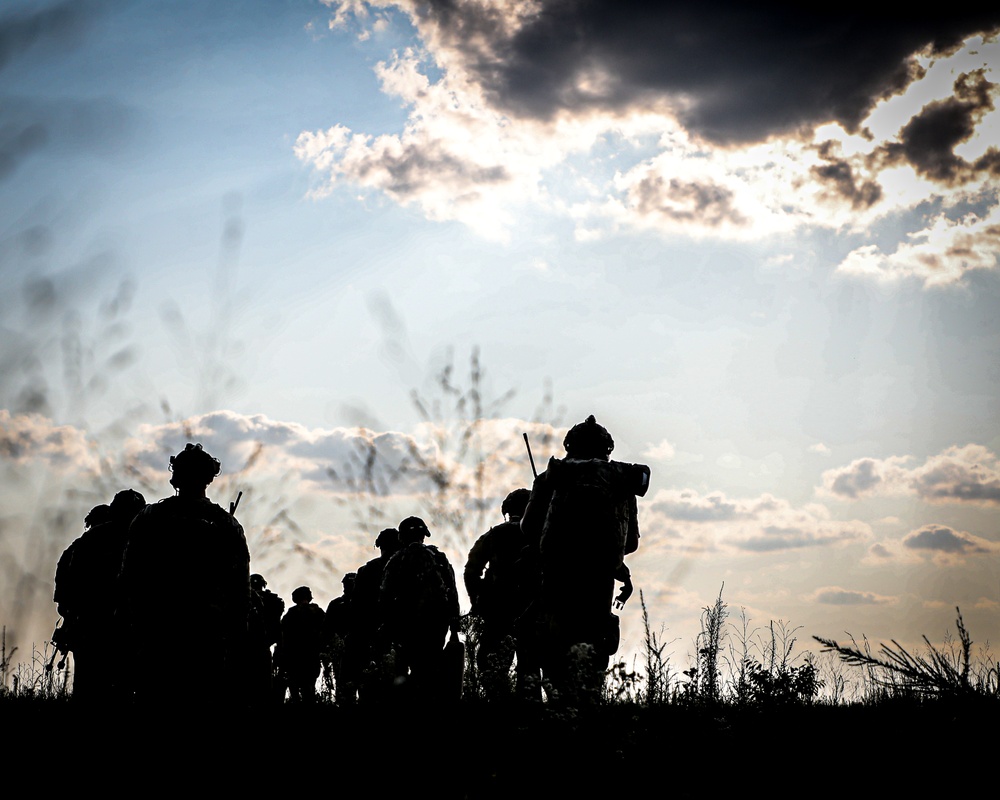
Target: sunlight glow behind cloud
{"x": 481, "y": 147}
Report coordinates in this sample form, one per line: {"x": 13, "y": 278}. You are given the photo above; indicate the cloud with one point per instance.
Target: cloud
{"x": 836, "y": 596}
{"x": 929, "y": 140}
{"x": 685, "y": 519}
{"x": 455, "y": 160}
{"x": 933, "y": 542}
{"x": 732, "y": 73}
{"x": 32, "y": 438}
{"x": 435, "y": 460}
{"x": 942, "y": 540}
{"x": 842, "y": 180}
{"x": 664, "y": 451}
{"x": 706, "y": 203}
{"x": 879, "y": 552}
{"x": 967, "y": 474}
{"x": 940, "y": 254}
{"x": 693, "y": 120}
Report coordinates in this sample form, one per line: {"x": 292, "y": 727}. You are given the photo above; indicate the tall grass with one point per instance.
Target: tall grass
{"x": 948, "y": 671}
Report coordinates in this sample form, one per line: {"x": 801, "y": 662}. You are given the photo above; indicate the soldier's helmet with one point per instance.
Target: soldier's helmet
{"x": 515, "y": 503}
{"x": 413, "y": 529}
{"x": 257, "y": 582}
{"x": 97, "y": 515}
{"x": 388, "y": 537}
{"x": 126, "y": 504}
{"x": 193, "y": 466}
{"x": 587, "y": 439}
{"x": 302, "y": 595}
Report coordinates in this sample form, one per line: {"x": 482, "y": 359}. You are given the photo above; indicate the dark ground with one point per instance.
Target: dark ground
{"x": 479, "y": 751}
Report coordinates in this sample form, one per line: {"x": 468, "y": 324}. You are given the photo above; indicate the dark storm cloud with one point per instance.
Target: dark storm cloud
{"x": 942, "y": 539}
{"x": 736, "y": 72}
{"x": 927, "y": 142}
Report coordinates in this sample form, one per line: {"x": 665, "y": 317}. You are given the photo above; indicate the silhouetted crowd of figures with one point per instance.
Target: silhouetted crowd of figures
{"x": 160, "y": 609}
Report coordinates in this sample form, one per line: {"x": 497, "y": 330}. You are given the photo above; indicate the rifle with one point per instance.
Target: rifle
{"x": 234, "y": 504}
{"x": 61, "y": 645}
{"x": 532, "y": 460}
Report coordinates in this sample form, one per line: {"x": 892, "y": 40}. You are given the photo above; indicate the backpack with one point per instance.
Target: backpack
{"x": 419, "y": 582}
{"x": 592, "y": 514}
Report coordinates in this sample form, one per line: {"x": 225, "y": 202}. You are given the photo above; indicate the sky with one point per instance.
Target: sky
{"x": 760, "y": 245}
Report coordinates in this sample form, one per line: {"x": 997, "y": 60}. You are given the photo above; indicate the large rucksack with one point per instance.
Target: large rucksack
{"x": 592, "y": 510}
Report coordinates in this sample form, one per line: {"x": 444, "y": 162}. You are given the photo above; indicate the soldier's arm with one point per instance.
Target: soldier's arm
{"x": 624, "y": 575}
{"x": 474, "y": 567}
{"x": 63, "y": 579}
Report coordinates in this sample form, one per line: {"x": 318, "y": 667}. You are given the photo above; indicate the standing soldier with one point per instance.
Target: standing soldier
{"x": 419, "y": 603}
{"x": 583, "y": 514}
{"x": 338, "y": 675}
{"x": 301, "y": 642}
{"x": 491, "y": 579}
{"x": 264, "y": 632}
{"x": 86, "y": 594}
{"x": 186, "y": 592}
{"x": 367, "y": 651}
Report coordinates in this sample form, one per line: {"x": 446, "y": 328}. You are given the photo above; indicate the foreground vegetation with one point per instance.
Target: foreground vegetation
{"x": 736, "y": 666}
{"x": 746, "y": 716}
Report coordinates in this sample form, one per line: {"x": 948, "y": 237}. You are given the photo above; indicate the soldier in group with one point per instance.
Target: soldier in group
{"x": 367, "y": 652}
{"x": 86, "y": 594}
{"x": 419, "y": 605}
{"x": 301, "y": 642}
{"x": 338, "y": 675}
{"x": 583, "y": 514}
{"x": 264, "y": 632}
{"x": 492, "y": 581}
{"x": 186, "y": 592}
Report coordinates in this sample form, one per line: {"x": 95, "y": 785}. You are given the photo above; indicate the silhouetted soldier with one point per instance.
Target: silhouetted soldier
{"x": 492, "y": 581}
{"x": 301, "y": 642}
{"x": 337, "y": 672}
{"x": 583, "y": 514}
{"x": 264, "y": 632}
{"x": 186, "y": 584}
{"x": 86, "y": 594}
{"x": 367, "y": 650}
{"x": 419, "y": 604}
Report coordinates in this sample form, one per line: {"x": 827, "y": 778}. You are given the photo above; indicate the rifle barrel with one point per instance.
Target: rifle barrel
{"x": 530, "y": 458}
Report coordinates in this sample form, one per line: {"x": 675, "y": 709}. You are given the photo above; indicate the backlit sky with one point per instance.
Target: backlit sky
{"x": 760, "y": 246}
